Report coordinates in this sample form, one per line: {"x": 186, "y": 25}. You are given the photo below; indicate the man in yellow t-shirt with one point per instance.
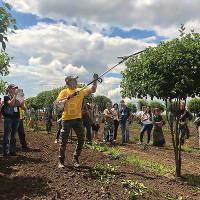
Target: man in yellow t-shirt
{"x": 71, "y": 117}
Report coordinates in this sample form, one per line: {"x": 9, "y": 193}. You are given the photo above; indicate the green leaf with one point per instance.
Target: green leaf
{"x": 7, "y": 6}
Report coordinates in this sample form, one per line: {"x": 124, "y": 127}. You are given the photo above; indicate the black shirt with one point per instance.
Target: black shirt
{"x": 183, "y": 115}
{"x": 16, "y": 113}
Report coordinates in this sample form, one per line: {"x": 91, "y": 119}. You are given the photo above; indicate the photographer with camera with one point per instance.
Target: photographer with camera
{"x": 11, "y": 113}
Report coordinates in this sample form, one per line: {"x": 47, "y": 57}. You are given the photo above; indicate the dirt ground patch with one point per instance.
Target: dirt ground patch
{"x": 34, "y": 175}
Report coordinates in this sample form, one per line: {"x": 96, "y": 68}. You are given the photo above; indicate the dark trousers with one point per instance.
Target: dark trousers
{"x": 77, "y": 126}
{"x": 10, "y": 129}
{"x": 87, "y": 125}
{"x": 59, "y": 124}
{"x": 148, "y": 128}
{"x": 21, "y": 134}
{"x": 116, "y": 125}
{"x": 185, "y": 133}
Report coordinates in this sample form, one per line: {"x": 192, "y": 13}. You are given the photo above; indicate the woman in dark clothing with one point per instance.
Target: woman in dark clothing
{"x": 158, "y": 136}
{"x": 116, "y": 120}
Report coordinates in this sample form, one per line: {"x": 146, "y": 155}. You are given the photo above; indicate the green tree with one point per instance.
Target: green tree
{"x": 132, "y": 106}
{"x": 170, "y": 71}
{"x": 7, "y": 24}
{"x": 194, "y": 105}
{"x": 141, "y": 102}
{"x": 101, "y": 101}
{"x": 156, "y": 104}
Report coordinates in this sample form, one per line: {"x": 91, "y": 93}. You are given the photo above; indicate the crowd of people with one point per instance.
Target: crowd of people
{"x": 85, "y": 120}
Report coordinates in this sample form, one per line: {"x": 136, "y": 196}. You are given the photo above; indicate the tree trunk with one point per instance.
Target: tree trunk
{"x": 175, "y": 139}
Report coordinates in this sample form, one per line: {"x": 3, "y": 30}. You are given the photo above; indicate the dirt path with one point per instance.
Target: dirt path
{"x": 34, "y": 175}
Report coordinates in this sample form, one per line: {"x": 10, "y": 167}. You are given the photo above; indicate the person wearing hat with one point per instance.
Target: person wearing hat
{"x": 108, "y": 134}
{"x": 71, "y": 116}
{"x": 11, "y": 115}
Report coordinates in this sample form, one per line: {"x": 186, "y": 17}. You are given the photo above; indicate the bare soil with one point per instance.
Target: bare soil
{"x": 35, "y": 175}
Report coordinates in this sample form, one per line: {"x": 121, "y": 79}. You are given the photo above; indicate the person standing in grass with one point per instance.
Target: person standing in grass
{"x": 146, "y": 119}
{"x": 124, "y": 117}
{"x": 108, "y": 134}
{"x": 158, "y": 136}
{"x": 96, "y": 120}
{"x": 116, "y": 120}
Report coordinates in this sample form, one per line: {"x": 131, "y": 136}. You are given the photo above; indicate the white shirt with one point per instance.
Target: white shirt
{"x": 148, "y": 117}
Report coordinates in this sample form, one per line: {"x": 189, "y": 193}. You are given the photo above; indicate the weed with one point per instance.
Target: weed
{"x": 169, "y": 197}
{"x": 134, "y": 189}
{"x": 114, "y": 153}
{"x": 102, "y": 172}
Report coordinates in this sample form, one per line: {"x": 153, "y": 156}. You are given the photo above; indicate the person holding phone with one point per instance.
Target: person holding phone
{"x": 11, "y": 113}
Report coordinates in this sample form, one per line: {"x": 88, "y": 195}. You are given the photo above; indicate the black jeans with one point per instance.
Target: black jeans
{"x": 116, "y": 125}
{"x": 21, "y": 134}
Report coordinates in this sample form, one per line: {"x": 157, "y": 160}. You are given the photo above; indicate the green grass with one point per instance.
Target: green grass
{"x": 115, "y": 153}
{"x": 185, "y": 149}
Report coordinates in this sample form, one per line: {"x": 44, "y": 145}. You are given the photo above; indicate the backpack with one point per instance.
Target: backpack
{"x": 7, "y": 110}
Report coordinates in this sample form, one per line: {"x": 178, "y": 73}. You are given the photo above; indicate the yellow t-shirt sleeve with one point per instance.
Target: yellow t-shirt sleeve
{"x": 62, "y": 94}
{"x": 85, "y": 91}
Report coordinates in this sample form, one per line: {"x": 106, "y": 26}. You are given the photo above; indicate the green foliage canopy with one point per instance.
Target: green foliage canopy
{"x": 7, "y": 22}
{"x": 101, "y": 101}
{"x": 132, "y": 106}
{"x": 141, "y": 102}
{"x": 194, "y": 105}
{"x": 156, "y": 104}
{"x": 170, "y": 70}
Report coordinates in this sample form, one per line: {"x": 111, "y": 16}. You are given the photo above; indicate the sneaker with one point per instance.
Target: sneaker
{"x": 56, "y": 141}
{"x": 76, "y": 162}
{"x": 61, "y": 164}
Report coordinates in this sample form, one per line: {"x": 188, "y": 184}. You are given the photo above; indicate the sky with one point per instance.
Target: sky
{"x": 81, "y": 37}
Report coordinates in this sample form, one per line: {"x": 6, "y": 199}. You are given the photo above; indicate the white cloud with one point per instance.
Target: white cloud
{"x": 44, "y": 54}
{"x": 160, "y": 15}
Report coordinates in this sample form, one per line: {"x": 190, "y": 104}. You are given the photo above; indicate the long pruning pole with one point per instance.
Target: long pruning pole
{"x": 124, "y": 58}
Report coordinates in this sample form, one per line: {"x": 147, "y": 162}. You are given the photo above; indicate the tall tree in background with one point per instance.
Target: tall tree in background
{"x": 132, "y": 106}
{"x": 155, "y": 104}
{"x": 101, "y": 101}
{"x": 194, "y": 106}
{"x": 141, "y": 102}
{"x": 170, "y": 71}
{"x": 7, "y": 24}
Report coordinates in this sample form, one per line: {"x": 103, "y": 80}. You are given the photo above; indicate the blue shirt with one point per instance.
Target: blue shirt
{"x": 124, "y": 114}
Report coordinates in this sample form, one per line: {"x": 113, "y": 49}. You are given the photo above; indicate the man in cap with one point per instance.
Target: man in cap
{"x": 124, "y": 117}
{"x": 71, "y": 116}
{"x": 11, "y": 115}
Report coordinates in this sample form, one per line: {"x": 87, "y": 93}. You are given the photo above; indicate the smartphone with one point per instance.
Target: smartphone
{"x": 20, "y": 92}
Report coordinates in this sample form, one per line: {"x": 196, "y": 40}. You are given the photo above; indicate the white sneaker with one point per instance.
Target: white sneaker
{"x": 61, "y": 165}
{"x": 56, "y": 141}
